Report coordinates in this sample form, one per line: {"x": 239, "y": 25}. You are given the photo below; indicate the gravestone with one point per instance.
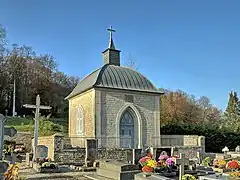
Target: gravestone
{"x": 181, "y": 161}
{"x": 41, "y": 152}
{"x": 237, "y": 149}
{"x": 91, "y": 151}
{"x": 115, "y": 170}
{"x": 214, "y": 177}
{"x": 3, "y": 167}
{"x": 136, "y": 155}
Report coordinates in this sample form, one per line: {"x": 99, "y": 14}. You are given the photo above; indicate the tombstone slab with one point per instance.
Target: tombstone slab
{"x": 41, "y": 152}
{"x": 214, "y": 177}
{"x": 3, "y": 167}
{"x": 117, "y": 170}
{"x": 91, "y": 151}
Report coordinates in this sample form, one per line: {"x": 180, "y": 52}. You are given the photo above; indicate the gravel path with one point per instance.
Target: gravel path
{"x": 27, "y": 173}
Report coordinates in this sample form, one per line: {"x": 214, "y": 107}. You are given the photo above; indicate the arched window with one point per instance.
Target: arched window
{"x": 80, "y": 121}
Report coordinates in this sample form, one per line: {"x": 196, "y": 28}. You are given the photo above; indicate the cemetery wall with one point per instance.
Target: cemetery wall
{"x": 78, "y": 155}
{"x": 109, "y": 104}
{"x": 86, "y": 100}
{"x": 182, "y": 140}
{"x": 70, "y": 155}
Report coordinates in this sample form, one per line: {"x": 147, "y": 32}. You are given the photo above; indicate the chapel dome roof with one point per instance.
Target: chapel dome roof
{"x": 115, "y": 77}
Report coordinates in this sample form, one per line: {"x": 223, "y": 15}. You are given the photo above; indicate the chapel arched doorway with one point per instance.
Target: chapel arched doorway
{"x": 128, "y": 129}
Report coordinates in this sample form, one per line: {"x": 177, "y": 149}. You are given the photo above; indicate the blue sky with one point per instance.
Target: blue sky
{"x": 189, "y": 45}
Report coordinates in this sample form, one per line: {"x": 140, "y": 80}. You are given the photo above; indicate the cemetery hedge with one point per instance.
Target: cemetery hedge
{"x": 215, "y": 138}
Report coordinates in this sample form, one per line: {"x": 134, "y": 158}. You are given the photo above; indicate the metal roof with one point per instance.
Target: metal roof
{"x": 115, "y": 77}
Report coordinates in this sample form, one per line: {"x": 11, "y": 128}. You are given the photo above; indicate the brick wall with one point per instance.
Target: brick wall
{"x": 86, "y": 101}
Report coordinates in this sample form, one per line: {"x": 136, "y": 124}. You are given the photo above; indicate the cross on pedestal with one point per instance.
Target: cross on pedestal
{"x": 181, "y": 161}
{"x": 37, "y": 107}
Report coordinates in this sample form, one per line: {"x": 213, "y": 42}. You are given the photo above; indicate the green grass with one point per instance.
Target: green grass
{"x": 46, "y": 127}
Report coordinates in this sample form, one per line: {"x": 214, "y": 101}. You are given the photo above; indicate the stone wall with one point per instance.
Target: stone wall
{"x": 182, "y": 140}
{"x": 77, "y": 155}
{"x": 109, "y": 104}
{"x": 22, "y": 138}
{"x": 87, "y": 102}
{"x": 70, "y": 155}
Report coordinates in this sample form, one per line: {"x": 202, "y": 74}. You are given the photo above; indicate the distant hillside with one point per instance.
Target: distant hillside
{"x": 46, "y": 126}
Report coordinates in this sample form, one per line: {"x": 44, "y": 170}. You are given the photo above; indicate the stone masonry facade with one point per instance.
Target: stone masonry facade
{"x": 110, "y": 102}
{"x": 87, "y": 102}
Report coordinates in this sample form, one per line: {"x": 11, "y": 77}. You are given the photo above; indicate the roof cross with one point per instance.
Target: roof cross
{"x": 111, "y": 30}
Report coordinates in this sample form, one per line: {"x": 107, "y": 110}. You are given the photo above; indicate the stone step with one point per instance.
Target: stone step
{"x": 96, "y": 177}
{"x": 126, "y": 175}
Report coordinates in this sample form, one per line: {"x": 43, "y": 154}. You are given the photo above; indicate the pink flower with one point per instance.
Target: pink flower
{"x": 163, "y": 157}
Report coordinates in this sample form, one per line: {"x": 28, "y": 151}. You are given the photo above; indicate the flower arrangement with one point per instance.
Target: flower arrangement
{"x": 206, "y": 162}
{"x": 235, "y": 174}
{"x": 148, "y": 164}
{"x": 188, "y": 177}
{"x": 170, "y": 162}
{"x": 222, "y": 163}
{"x": 147, "y": 169}
{"x": 234, "y": 165}
{"x": 163, "y": 157}
{"x": 144, "y": 160}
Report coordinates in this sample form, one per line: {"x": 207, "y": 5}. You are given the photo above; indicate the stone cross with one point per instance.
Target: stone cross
{"x": 37, "y": 107}
{"x": 181, "y": 161}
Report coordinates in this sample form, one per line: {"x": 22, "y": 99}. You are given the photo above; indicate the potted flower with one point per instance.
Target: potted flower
{"x": 188, "y": 177}
{"x": 206, "y": 162}
{"x": 148, "y": 164}
{"x": 170, "y": 164}
{"x": 222, "y": 163}
{"x": 233, "y": 165}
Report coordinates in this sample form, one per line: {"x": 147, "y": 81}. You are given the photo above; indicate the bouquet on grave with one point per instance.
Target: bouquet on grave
{"x": 148, "y": 164}
{"x": 233, "y": 165}
{"x": 222, "y": 163}
{"x": 188, "y": 177}
{"x": 206, "y": 162}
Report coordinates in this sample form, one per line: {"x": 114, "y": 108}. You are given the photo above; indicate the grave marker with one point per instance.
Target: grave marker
{"x": 181, "y": 161}
{"x": 41, "y": 151}
{"x": 37, "y": 107}
{"x": 91, "y": 150}
{"x": 136, "y": 155}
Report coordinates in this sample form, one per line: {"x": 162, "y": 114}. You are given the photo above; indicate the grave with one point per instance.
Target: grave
{"x": 4, "y": 131}
{"x": 115, "y": 170}
{"x": 91, "y": 151}
{"x": 214, "y": 177}
{"x": 41, "y": 152}
{"x": 137, "y": 153}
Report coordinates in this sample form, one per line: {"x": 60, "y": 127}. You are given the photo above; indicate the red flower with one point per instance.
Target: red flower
{"x": 147, "y": 169}
{"x": 232, "y": 164}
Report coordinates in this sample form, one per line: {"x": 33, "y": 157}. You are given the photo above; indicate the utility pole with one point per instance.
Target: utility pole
{"x": 14, "y": 98}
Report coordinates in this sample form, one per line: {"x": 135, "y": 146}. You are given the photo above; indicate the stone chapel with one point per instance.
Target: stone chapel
{"x": 116, "y": 105}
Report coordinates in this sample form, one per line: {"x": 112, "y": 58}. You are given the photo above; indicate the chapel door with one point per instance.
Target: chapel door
{"x": 127, "y": 130}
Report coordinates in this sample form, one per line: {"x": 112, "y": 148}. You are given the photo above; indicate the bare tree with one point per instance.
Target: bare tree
{"x": 131, "y": 63}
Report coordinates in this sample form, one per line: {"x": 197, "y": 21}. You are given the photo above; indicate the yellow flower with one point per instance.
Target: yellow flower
{"x": 151, "y": 163}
